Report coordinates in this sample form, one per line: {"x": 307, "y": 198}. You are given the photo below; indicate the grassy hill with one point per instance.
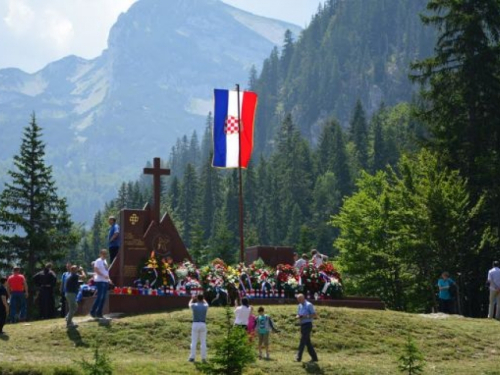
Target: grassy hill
{"x": 347, "y": 341}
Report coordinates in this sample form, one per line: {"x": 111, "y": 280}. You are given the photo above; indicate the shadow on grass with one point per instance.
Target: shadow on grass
{"x": 313, "y": 368}
{"x": 4, "y": 337}
{"x": 75, "y": 336}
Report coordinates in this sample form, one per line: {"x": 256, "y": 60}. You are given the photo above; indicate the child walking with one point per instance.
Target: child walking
{"x": 264, "y": 326}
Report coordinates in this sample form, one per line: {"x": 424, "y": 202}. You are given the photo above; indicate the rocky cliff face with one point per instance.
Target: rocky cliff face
{"x": 104, "y": 118}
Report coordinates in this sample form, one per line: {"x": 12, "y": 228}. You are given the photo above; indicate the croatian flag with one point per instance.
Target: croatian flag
{"x": 233, "y": 143}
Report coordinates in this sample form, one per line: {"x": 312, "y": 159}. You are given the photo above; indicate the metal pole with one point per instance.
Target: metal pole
{"x": 242, "y": 238}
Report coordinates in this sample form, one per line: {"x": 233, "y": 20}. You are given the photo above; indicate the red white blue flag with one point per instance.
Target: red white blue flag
{"x": 233, "y": 142}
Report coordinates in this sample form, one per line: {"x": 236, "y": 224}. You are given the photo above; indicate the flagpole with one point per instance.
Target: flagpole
{"x": 242, "y": 238}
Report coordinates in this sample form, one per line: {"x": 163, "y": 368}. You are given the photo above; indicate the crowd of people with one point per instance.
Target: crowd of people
{"x": 14, "y": 292}
{"x": 261, "y": 326}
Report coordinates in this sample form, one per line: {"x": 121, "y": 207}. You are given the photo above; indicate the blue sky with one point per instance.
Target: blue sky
{"x": 34, "y": 32}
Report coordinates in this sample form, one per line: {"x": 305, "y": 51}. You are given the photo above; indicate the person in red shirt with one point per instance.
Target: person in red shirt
{"x": 18, "y": 290}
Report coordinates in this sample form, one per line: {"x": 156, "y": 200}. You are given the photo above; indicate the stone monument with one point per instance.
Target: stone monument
{"x": 143, "y": 233}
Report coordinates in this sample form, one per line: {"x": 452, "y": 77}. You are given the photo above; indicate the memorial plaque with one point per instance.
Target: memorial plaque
{"x": 143, "y": 233}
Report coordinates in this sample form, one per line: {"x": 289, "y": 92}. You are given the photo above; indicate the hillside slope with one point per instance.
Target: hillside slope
{"x": 348, "y": 342}
{"x": 352, "y": 49}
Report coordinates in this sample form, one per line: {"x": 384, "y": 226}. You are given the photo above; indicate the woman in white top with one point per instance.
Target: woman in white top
{"x": 242, "y": 313}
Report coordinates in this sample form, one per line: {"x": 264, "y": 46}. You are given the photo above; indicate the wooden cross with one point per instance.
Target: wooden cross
{"x": 157, "y": 172}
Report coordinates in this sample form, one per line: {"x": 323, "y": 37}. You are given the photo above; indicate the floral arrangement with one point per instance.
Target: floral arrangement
{"x": 310, "y": 278}
{"x": 332, "y": 279}
{"x": 254, "y": 280}
{"x": 213, "y": 275}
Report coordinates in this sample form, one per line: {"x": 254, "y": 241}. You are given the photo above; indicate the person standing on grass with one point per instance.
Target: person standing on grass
{"x": 305, "y": 315}
{"x": 18, "y": 291}
{"x": 4, "y": 307}
{"x": 264, "y": 326}
{"x": 64, "y": 277}
{"x": 199, "y": 307}
{"x": 494, "y": 284}
{"x": 445, "y": 296}
{"x": 102, "y": 281}
{"x": 72, "y": 287}
{"x": 46, "y": 280}
{"x": 113, "y": 239}
{"x": 242, "y": 313}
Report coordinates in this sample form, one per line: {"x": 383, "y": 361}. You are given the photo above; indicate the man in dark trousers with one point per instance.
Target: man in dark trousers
{"x": 305, "y": 315}
{"x": 72, "y": 286}
{"x": 4, "y": 307}
{"x": 46, "y": 280}
{"x": 64, "y": 277}
{"x": 113, "y": 239}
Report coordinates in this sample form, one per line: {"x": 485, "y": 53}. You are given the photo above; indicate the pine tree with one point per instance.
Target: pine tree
{"x": 206, "y": 142}
{"x": 123, "y": 199}
{"x": 378, "y": 157}
{"x": 97, "y": 242}
{"x": 174, "y": 194}
{"x": 286, "y": 53}
{"x": 188, "y": 203}
{"x": 34, "y": 218}
{"x": 252, "y": 79}
{"x": 359, "y": 135}
{"x": 194, "y": 150}
{"x": 210, "y": 195}
{"x": 338, "y": 162}
{"x": 223, "y": 243}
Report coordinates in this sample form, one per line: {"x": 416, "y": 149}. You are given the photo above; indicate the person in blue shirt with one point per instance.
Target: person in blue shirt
{"x": 446, "y": 297}
{"x": 199, "y": 307}
{"x": 113, "y": 239}
{"x": 64, "y": 277}
{"x": 305, "y": 316}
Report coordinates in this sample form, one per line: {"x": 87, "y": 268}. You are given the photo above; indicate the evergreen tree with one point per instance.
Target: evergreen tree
{"x": 252, "y": 79}
{"x": 123, "y": 199}
{"x": 35, "y": 221}
{"x": 286, "y": 53}
{"x": 338, "y": 163}
{"x": 97, "y": 242}
{"x": 188, "y": 203}
{"x": 461, "y": 92}
{"x": 174, "y": 194}
{"x": 223, "y": 244}
{"x": 210, "y": 187}
{"x": 194, "y": 150}
{"x": 294, "y": 226}
{"x": 378, "y": 157}
{"x": 206, "y": 142}
{"x": 359, "y": 135}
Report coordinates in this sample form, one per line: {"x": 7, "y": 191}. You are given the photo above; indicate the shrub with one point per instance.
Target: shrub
{"x": 411, "y": 361}
{"x": 233, "y": 352}
{"x": 100, "y": 366}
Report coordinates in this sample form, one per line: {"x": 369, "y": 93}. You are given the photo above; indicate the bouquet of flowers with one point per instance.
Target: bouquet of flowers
{"x": 212, "y": 276}
{"x": 192, "y": 286}
{"x": 284, "y": 271}
{"x": 332, "y": 280}
{"x": 291, "y": 286}
{"x": 232, "y": 276}
{"x": 168, "y": 274}
{"x": 311, "y": 281}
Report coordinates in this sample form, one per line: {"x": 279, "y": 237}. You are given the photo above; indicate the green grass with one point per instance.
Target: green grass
{"x": 348, "y": 341}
